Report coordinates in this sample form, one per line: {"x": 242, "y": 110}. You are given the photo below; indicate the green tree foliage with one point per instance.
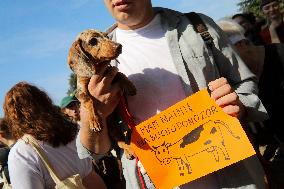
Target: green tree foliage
{"x": 254, "y": 7}
{"x": 250, "y": 6}
{"x": 72, "y": 83}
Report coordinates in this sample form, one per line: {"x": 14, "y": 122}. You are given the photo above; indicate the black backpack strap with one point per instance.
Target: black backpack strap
{"x": 200, "y": 27}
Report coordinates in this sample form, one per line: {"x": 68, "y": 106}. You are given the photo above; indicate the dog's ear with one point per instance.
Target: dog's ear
{"x": 77, "y": 54}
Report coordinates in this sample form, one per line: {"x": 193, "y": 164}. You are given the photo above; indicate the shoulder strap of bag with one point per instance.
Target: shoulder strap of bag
{"x": 33, "y": 142}
{"x": 200, "y": 27}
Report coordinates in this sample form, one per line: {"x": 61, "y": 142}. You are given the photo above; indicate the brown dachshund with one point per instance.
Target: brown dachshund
{"x": 90, "y": 49}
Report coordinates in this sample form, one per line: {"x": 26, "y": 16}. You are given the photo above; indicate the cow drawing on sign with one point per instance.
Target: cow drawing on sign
{"x": 196, "y": 139}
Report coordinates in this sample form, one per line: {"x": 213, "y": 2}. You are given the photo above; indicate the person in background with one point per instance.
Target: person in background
{"x": 30, "y": 112}
{"x": 251, "y": 27}
{"x": 8, "y": 141}
{"x": 167, "y": 61}
{"x": 70, "y": 105}
{"x": 274, "y": 31}
{"x": 267, "y": 63}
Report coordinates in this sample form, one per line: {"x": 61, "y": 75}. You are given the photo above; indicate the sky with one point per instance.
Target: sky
{"x": 35, "y": 37}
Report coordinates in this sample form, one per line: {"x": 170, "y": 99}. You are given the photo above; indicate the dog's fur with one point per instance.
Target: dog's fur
{"x": 90, "y": 49}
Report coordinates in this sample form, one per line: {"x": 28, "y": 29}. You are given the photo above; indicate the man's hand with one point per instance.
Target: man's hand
{"x": 105, "y": 93}
{"x": 226, "y": 97}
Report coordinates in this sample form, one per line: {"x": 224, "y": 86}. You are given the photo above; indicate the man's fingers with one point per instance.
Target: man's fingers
{"x": 231, "y": 98}
{"x": 221, "y": 91}
{"x": 112, "y": 96}
{"x": 93, "y": 84}
{"x": 213, "y": 85}
{"x": 233, "y": 110}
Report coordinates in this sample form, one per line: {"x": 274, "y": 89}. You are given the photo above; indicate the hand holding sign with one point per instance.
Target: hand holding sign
{"x": 191, "y": 139}
{"x": 225, "y": 97}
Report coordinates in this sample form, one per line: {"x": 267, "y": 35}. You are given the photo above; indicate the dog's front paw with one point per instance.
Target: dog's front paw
{"x": 95, "y": 124}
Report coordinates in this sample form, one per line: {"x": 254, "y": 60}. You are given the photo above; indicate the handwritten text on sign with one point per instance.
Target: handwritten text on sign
{"x": 189, "y": 140}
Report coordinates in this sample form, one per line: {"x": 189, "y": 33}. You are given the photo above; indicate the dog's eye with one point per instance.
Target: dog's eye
{"x": 93, "y": 42}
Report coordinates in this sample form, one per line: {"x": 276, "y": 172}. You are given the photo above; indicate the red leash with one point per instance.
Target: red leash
{"x": 128, "y": 118}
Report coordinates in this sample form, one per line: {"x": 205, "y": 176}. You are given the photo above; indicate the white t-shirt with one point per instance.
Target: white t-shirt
{"x": 27, "y": 170}
{"x": 147, "y": 62}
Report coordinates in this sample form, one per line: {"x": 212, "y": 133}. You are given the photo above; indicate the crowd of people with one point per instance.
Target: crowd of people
{"x": 50, "y": 146}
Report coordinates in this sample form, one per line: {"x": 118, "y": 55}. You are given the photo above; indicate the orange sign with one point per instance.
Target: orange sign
{"x": 189, "y": 140}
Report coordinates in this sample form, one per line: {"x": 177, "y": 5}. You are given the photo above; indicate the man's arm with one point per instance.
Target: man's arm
{"x": 95, "y": 142}
{"x": 106, "y": 97}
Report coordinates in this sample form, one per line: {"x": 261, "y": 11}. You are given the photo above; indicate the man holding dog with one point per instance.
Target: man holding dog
{"x": 167, "y": 61}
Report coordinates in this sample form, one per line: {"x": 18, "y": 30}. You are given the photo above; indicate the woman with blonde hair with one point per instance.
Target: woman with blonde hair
{"x": 45, "y": 142}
